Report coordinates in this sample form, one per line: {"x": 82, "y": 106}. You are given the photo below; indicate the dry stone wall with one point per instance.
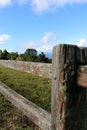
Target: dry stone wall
{"x": 40, "y": 69}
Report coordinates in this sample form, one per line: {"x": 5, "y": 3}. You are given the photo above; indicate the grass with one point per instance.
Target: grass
{"x": 34, "y": 88}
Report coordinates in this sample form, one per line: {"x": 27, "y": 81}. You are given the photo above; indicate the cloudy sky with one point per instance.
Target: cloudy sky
{"x": 42, "y": 24}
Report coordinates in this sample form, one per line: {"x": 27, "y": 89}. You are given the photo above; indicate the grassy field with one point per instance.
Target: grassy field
{"x": 34, "y": 88}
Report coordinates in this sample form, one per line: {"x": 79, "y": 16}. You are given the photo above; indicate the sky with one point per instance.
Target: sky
{"x": 42, "y": 24}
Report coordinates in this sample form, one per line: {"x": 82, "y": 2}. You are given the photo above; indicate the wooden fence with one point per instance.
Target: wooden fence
{"x": 69, "y": 93}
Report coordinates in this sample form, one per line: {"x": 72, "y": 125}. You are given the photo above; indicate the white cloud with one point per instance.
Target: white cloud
{"x": 4, "y": 38}
{"x": 30, "y": 44}
{"x": 44, "y": 44}
{"x": 44, "y": 48}
{"x": 4, "y": 3}
{"x": 48, "y": 38}
{"x": 41, "y": 5}
{"x": 21, "y": 2}
{"x": 82, "y": 43}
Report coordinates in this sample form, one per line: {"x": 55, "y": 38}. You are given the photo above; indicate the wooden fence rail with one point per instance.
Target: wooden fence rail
{"x": 82, "y": 76}
{"x": 36, "y": 114}
{"x": 69, "y": 93}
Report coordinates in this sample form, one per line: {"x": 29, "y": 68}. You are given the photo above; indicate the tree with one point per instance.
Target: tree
{"x": 20, "y": 57}
{"x": 42, "y": 57}
{"x": 31, "y": 52}
{"x": 30, "y": 55}
{"x": 13, "y": 55}
{"x": 4, "y": 55}
{"x": 0, "y": 54}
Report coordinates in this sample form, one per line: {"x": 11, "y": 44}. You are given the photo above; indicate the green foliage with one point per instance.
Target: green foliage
{"x": 31, "y": 52}
{"x": 20, "y": 57}
{"x": 29, "y": 55}
{"x": 63, "y": 88}
{"x": 43, "y": 58}
{"x": 11, "y": 118}
{"x": 13, "y": 55}
{"x": 34, "y": 88}
{"x": 4, "y": 54}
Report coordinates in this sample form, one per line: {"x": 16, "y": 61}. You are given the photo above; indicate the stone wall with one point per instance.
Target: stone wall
{"x": 40, "y": 69}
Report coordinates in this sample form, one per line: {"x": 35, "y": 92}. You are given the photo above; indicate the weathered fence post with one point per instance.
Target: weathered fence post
{"x": 64, "y": 87}
{"x": 69, "y": 95}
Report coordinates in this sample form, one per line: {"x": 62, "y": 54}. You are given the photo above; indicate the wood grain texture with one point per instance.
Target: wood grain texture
{"x": 63, "y": 86}
{"x": 82, "y": 76}
{"x": 69, "y": 96}
{"x": 81, "y": 55}
{"x": 36, "y": 114}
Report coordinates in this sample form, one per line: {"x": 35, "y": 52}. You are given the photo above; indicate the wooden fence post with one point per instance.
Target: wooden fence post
{"x": 64, "y": 87}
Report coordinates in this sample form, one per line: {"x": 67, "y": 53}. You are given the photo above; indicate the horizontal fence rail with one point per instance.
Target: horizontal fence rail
{"x": 36, "y": 114}
{"x": 82, "y": 76}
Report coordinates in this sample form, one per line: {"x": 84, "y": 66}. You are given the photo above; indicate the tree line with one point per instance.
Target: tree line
{"x": 28, "y": 55}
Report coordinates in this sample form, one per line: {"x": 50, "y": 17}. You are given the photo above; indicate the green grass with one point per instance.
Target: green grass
{"x": 34, "y": 88}
{"x": 11, "y": 118}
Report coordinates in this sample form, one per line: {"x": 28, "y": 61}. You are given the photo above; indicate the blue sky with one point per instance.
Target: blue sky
{"x": 42, "y": 24}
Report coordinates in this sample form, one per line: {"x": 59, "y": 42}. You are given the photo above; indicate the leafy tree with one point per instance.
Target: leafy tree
{"x": 30, "y": 55}
{"x": 13, "y": 55}
{"x": 42, "y": 58}
{"x": 0, "y": 54}
{"x": 20, "y": 57}
{"x": 4, "y": 55}
{"x": 31, "y": 52}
